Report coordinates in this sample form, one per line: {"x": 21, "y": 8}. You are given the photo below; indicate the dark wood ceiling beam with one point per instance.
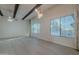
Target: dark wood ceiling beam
{"x": 36, "y": 6}
{"x": 15, "y": 10}
{"x": 1, "y": 13}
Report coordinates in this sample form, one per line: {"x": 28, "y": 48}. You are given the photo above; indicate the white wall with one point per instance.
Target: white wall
{"x": 12, "y": 29}
{"x": 58, "y": 11}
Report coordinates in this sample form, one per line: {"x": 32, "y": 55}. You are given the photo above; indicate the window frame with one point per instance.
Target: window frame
{"x": 61, "y": 25}
{"x": 36, "y": 29}
{"x": 51, "y": 29}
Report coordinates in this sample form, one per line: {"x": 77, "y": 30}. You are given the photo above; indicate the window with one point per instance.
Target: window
{"x": 35, "y": 28}
{"x": 55, "y": 27}
{"x": 67, "y": 26}
{"x": 63, "y": 26}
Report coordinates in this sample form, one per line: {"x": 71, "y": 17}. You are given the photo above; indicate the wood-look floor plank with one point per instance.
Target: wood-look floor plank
{"x": 33, "y": 46}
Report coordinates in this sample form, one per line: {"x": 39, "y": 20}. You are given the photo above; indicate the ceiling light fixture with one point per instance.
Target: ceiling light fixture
{"x": 10, "y": 19}
{"x": 39, "y": 13}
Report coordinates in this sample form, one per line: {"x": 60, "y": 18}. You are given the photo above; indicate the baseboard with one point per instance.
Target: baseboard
{"x": 12, "y": 37}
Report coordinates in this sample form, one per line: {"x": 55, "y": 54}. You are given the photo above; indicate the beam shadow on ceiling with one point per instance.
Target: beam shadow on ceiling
{"x": 1, "y": 13}
{"x": 15, "y": 10}
{"x": 36, "y": 6}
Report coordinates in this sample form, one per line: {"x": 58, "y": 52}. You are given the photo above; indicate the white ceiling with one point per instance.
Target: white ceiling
{"x": 8, "y": 9}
